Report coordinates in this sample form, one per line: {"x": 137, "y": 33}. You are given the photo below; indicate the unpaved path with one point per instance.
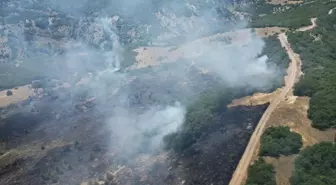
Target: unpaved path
{"x": 313, "y": 25}
{"x": 293, "y": 73}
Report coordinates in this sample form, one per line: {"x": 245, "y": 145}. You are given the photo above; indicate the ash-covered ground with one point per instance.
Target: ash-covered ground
{"x": 49, "y": 141}
{"x": 93, "y": 120}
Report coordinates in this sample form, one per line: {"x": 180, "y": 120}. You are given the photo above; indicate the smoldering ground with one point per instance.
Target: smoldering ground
{"x": 141, "y": 106}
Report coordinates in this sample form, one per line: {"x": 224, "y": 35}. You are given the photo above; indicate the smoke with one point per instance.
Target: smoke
{"x": 235, "y": 62}
{"x": 95, "y": 56}
{"x": 134, "y": 133}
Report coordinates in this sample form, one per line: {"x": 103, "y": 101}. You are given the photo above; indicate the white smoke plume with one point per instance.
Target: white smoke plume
{"x": 94, "y": 61}
{"x": 236, "y": 63}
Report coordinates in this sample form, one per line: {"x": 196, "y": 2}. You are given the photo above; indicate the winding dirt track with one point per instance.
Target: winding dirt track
{"x": 293, "y": 73}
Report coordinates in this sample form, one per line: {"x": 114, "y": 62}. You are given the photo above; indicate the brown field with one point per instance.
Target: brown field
{"x": 269, "y": 31}
{"x": 150, "y": 56}
{"x": 19, "y": 94}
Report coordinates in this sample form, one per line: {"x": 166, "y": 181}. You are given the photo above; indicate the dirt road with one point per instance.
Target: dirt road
{"x": 313, "y": 25}
{"x": 293, "y": 73}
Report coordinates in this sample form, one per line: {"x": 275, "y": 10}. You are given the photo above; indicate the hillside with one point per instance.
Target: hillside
{"x": 166, "y": 92}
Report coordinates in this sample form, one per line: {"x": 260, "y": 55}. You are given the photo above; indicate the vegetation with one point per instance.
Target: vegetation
{"x": 9, "y": 93}
{"x": 276, "y": 56}
{"x": 261, "y": 173}
{"x": 203, "y": 114}
{"x": 199, "y": 118}
{"x": 294, "y": 17}
{"x": 278, "y": 141}
{"x": 317, "y": 51}
{"x": 12, "y": 76}
{"x": 316, "y": 165}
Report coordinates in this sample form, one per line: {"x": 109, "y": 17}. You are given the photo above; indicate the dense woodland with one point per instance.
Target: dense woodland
{"x": 316, "y": 165}
{"x": 278, "y": 141}
{"x": 290, "y": 16}
{"x": 317, "y": 51}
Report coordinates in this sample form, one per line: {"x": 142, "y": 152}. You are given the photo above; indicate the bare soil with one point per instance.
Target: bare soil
{"x": 150, "y": 56}
{"x": 19, "y": 94}
{"x": 269, "y": 31}
{"x": 255, "y": 99}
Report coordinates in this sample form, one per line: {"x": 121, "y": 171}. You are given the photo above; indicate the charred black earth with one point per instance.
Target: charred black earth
{"x": 50, "y": 140}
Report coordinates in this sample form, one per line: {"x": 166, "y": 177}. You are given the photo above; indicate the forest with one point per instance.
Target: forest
{"x": 276, "y": 56}
{"x": 290, "y": 16}
{"x": 316, "y": 165}
{"x": 317, "y": 51}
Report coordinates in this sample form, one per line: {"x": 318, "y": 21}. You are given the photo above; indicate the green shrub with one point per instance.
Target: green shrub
{"x": 261, "y": 173}
{"x": 278, "y": 141}
{"x": 9, "y": 93}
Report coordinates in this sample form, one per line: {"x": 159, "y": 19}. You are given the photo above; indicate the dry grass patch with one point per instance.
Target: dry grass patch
{"x": 18, "y": 94}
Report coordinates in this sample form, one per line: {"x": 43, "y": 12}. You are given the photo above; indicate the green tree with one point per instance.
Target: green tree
{"x": 278, "y": 141}
{"x": 316, "y": 165}
{"x": 261, "y": 173}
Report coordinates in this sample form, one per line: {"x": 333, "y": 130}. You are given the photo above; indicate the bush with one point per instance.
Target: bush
{"x": 278, "y": 141}
{"x": 316, "y": 165}
{"x": 9, "y": 93}
{"x": 261, "y": 173}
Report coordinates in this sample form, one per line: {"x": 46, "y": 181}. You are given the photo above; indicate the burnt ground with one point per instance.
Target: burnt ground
{"x": 47, "y": 140}
{"x": 214, "y": 158}
{"x": 78, "y": 147}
